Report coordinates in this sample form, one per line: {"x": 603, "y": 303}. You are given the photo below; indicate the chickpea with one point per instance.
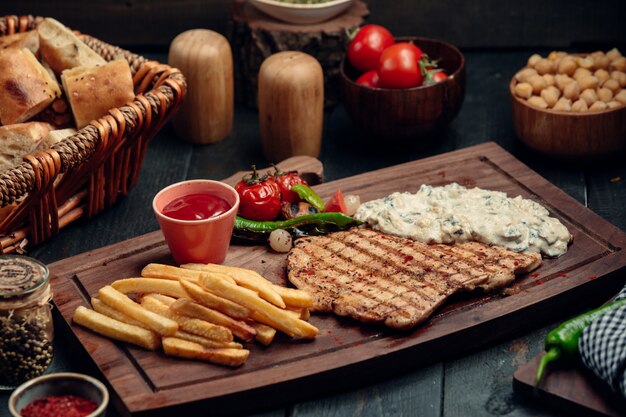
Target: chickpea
{"x": 589, "y": 96}
{"x": 550, "y": 95}
{"x": 523, "y": 90}
{"x": 613, "y": 104}
{"x": 562, "y": 80}
{"x": 581, "y": 72}
{"x": 564, "y": 104}
{"x": 588, "y": 82}
{"x": 602, "y": 62}
{"x": 611, "y": 84}
{"x": 523, "y": 75}
{"x": 534, "y": 58}
{"x": 544, "y": 66}
{"x": 567, "y": 66}
{"x": 580, "y": 106}
{"x": 613, "y": 54}
{"x": 572, "y": 91}
{"x": 538, "y": 83}
{"x": 585, "y": 62}
{"x": 554, "y": 55}
{"x": 618, "y": 64}
{"x": 605, "y": 94}
{"x": 602, "y": 75}
{"x": 537, "y": 101}
{"x": 621, "y": 97}
{"x": 598, "y": 106}
{"x": 549, "y": 79}
{"x": 620, "y": 76}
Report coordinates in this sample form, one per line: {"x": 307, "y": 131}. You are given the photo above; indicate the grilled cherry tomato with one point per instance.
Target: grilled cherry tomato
{"x": 336, "y": 203}
{"x": 369, "y": 43}
{"x": 285, "y": 181}
{"x": 369, "y": 79}
{"x": 259, "y": 197}
{"x": 399, "y": 66}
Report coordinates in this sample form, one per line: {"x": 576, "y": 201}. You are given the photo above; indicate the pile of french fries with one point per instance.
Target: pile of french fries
{"x": 197, "y": 310}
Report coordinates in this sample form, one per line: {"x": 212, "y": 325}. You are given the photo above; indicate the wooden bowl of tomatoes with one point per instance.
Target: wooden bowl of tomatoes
{"x": 403, "y": 99}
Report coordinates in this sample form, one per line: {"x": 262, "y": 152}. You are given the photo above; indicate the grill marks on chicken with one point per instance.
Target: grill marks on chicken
{"x": 378, "y": 278}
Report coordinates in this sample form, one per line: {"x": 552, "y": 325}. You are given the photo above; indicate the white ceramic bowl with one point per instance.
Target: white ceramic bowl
{"x": 302, "y": 14}
{"x": 63, "y": 383}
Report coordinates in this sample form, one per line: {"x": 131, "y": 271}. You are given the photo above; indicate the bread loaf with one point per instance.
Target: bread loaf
{"x": 18, "y": 140}
{"x": 56, "y": 136}
{"x": 28, "y": 40}
{"x": 62, "y": 49}
{"x": 91, "y": 92}
{"x": 26, "y": 88}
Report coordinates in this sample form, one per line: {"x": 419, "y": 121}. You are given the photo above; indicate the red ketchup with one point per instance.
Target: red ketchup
{"x": 59, "y": 406}
{"x": 196, "y": 207}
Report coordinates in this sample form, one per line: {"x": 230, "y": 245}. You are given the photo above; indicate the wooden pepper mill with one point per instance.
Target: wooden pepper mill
{"x": 291, "y": 105}
{"x": 206, "y": 60}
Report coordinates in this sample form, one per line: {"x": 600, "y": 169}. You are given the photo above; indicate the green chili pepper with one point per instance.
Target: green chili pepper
{"x": 563, "y": 340}
{"x": 307, "y": 194}
{"x": 338, "y": 219}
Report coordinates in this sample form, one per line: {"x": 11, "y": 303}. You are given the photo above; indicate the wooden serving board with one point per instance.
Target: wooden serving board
{"x": 570, "y": 388}
{"x": 345, "y": 352}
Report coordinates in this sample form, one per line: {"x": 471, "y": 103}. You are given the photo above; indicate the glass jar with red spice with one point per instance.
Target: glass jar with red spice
{"x": 26, "y": 326}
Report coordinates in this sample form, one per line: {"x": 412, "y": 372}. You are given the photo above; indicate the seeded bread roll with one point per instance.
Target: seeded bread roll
{"x": 18, "y": 140}
{"x": 92, "y": 92}
{"x": 62, "y": 49}
{"x": 28, "y": 40}
{"x": 26, "y": 88}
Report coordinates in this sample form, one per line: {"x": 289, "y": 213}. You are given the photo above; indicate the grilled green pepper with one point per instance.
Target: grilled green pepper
{"x": 563, "y": 340}
{"x": 307, "y": 194}
{"x": 310, "y": 224}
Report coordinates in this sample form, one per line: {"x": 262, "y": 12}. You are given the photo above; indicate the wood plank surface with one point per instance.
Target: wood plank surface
{"x": 569, "y": 387}
{"x": 468, "y": 24}
{"x": 144, "y": 381}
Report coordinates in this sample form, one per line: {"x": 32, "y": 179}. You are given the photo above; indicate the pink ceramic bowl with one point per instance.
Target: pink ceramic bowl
{"x": 197, "y": 241}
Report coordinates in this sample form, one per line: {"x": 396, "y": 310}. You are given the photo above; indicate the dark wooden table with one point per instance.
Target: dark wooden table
{"x": 478, "y": 384}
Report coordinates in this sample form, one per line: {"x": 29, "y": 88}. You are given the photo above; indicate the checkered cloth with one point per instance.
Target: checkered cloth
{"x": 602, "y": 347}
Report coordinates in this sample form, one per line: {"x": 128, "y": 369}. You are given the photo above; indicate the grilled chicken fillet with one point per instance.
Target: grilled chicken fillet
{"x": 379, "y": 278}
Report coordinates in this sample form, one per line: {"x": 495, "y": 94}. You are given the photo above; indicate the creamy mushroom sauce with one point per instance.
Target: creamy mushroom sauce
{"x": 453, "y": 213}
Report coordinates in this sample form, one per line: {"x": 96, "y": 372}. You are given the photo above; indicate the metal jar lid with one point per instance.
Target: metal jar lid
{"x": 22, "y": 277}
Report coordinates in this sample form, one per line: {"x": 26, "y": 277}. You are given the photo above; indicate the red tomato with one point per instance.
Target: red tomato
{"x": 369, "y": 79}
{"x": 439, "y": 76}
{"x": 285, "y": 181}
{"x": 369, "y": 43}
{"x": 336, "y": 203}
{"x": 259, "y": 197}
{"x": 399, "y": 67}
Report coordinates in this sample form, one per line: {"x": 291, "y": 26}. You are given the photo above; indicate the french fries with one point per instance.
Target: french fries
{"x": 174, "y": 273}
{"x": 210, "y": 300}
{"x": 149, "y": 285}
{"x": 264, "y": 312}
{"x": 197, "y": 310}
{"x": 188, "y": 324}
{"x": 264, "y": 334}
{"x": 244, "y": 277}
{"x": 214, "y": 344}
{"x": 117, "y": 300}
{"x": 102, "y": 308}
{"x": 239, "y": 328}
{"x": 115, "y": 329}
{"x": 190, "y": 350}
{"x": 294, "y": 297}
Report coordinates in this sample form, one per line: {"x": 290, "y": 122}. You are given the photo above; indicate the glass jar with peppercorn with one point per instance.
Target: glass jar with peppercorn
{"x": 26, "y": 328}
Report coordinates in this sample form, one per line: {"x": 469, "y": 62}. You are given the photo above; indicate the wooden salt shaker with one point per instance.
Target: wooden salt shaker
{"x": 206, "y": 60}
{"x": 291, "y": 105}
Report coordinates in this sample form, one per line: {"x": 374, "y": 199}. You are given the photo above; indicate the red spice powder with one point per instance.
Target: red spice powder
{"x": 592, "y": 277}
{"x": 59, "y": 406}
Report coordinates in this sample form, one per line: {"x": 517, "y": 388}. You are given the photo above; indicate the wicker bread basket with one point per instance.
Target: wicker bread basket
{"x": 85, "y": 173}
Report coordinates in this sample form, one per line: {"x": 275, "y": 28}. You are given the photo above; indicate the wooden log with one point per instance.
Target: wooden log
{"x": 254, "y": 36}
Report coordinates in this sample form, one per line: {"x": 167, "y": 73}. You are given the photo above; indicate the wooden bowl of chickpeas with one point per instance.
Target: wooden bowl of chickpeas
{"x": 571, "y": 106}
